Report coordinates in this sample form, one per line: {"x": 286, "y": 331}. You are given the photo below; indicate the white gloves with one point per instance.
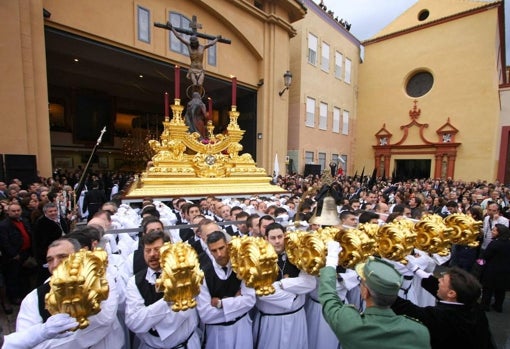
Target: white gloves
{"x": 401, "y": 268}
{"x": 440, "y": 260}
{"x": 55, "y": 327}
{"x": 333, "y": 255}
{"x": 414, "y": 267}
{"x": 57, "y": 324}
{"x": 112, "y": 240}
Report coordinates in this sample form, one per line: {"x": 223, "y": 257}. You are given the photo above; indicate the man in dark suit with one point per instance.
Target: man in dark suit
{"x": 457, "y": 321}
{"x": 3, "y": 188}
{"x": 94, "y": 199}
{"x": 15, "y": 246}
{"x": 190, "y": 211}
{"x": 48, "y": 228}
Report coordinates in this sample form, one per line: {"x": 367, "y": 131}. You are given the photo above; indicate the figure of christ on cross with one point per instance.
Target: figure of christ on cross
{"x": 195, "y": 49}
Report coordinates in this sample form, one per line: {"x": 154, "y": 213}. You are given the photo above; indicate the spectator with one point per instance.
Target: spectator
{"x": 496, "y": 273}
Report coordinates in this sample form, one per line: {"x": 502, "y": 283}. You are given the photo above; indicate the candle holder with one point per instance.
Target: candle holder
{"x": 233, "y": 114}
{"x": 177, "y": 109}
{"x": 210, "y": 129}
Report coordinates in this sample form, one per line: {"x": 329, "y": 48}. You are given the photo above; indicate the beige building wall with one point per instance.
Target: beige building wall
{"x": 322, "y": 85}
{"x": 259, "y": 50}
{"x": 23, "y": 92}
{"x": 462, "y": 54}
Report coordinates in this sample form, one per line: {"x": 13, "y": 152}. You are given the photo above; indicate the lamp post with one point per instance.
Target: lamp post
{"x": 287, "y": 80}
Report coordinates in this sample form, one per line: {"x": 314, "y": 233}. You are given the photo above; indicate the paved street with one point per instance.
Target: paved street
{"x": 500, "y": 324}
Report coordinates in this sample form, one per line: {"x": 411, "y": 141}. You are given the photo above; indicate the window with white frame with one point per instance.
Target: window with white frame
{"x": 347, "y": 76}
{"x": 322, "y": 160}
{"x": 323, "y": 116}
{"x": 309, "y": 157}
{"x": 325, "y": 57}
{"x": 343, "y": 162}
{"x": 334, "y": 158}
{"x": 179, "y": 21}
{"x": 336, "y": 120}
{"x": 211, "y": 55}
{"x": 312, "y": 49}
{"x": 310, "y": 112}
{"x": 345, "y": 123}
{"x": 144, "y": 24}
{"x": 338, "y": 64}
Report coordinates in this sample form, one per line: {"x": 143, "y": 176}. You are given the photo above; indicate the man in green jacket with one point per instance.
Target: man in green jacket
{"x": 378, "y": 327}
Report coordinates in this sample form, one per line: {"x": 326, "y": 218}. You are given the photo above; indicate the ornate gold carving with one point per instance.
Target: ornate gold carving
{"x": 181, "y": 276}
{"x": 181, "y": 155}
{"x": 357, "y": 246}
{"x": 396, "y": 240}
{"x": 254, "y": 261}
{"x": 433, "y": 236}
{"x": 308, "y": 250}
{"x": 78, "y": 286}
{"x": 465, "y": 229}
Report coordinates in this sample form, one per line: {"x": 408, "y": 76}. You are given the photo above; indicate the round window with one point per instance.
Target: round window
{"x": 419, "y": 84}
{"x": 423, "y": 15}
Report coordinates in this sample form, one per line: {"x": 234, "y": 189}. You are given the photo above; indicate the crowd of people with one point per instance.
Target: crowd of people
{"x": 42, "y": 223}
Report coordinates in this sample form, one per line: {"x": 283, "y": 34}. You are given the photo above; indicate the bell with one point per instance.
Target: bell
{"x": 328, "y": 215}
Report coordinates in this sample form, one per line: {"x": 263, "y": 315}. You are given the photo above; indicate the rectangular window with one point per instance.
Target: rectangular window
{"x": 312, "y": 49}
{"x": 334, "y": 158}
{"x": 338, "y": 65}
{"x": 322, "y": 161}
{"x": 325, "y": 57}
{"x": 308, "y": 157}
{"x": 310, "y": 112}
{"x": 347, "y": 77}
{"x": 179, "y": 21}
{"x": 211, "y": 55}
{"x": 336, "y": 120}
{"x": 323, "y": 116}
{"x": 343, "y": 162}
{"x": 345, "y": 123}
{"x": 144, "y": 24}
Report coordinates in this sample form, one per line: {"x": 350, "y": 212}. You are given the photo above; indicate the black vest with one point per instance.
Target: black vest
{"x": 218, "y": 287}
{"x": 285, "y": 267}
{"x": 148, "y": 293}
{"x": 41, "y": 293}
{"x": 204, "y": 259}
{"x": 147, "y": 290}
{"x": 138, "y": 260}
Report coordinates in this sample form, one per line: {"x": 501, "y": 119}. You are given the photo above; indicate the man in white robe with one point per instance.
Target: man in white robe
{"x": 103, "y": 332}
{"x": 148, "y": 315}
{"x": 281, "y": 319}
{"x": 224, "y": 301}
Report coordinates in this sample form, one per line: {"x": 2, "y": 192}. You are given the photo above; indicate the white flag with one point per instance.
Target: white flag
{"x": 276, "y": 168}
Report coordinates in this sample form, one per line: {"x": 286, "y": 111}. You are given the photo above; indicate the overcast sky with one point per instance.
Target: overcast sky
{"x": 368, "y": 17}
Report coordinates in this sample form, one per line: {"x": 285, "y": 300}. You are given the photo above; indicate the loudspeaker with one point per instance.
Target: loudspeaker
{"x": 2, "y": 168}
{"x": 311, "y": 169}
{"x": 23, "y": 167}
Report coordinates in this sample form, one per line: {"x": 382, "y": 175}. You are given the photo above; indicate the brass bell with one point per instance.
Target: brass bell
{"x": 328, "y": 215}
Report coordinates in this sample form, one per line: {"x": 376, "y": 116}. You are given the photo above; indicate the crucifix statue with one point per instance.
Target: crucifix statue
{"x": 195, "y": 49}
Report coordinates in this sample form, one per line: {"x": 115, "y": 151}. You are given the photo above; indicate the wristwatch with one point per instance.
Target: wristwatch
{"x": 219, "y": 305}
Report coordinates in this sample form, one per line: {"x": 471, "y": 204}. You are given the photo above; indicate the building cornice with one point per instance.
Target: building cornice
{"x": 433, "y": 23}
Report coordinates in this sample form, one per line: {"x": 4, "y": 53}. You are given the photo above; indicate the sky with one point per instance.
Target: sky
{"x": 368, "y": 17}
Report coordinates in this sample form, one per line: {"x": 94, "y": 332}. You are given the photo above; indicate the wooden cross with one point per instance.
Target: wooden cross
{"x": 194, "y": 25}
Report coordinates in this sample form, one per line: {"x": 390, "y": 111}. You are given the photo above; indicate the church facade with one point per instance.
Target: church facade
{"x": 429, "y": 94}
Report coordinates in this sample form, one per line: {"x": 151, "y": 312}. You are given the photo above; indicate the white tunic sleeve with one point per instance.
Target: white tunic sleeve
{"x": 302, "y": 284}
{"x": 100, "y": 324}
{"x": 233, "y": 307}
{"x": 159, "y": 315}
